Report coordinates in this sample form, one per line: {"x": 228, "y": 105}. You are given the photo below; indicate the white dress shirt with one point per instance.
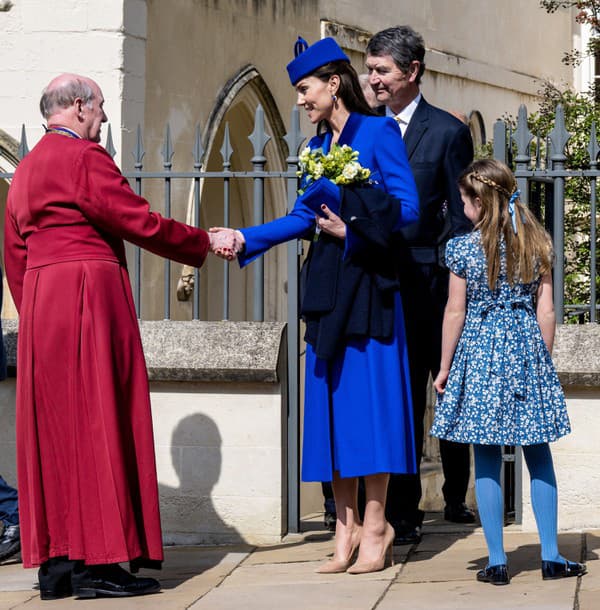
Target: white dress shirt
{"x": 405, "y": 115}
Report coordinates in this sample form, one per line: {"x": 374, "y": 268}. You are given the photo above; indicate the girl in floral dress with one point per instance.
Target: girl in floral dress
{"x": 497, "y": 384}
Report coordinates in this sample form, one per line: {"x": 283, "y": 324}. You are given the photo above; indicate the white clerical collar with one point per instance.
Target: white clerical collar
{"x": 405, "y": 115}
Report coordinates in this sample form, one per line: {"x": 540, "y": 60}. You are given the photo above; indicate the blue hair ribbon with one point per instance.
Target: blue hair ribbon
{"x": 300, "y": 46}
{"x": 511, "y": 208}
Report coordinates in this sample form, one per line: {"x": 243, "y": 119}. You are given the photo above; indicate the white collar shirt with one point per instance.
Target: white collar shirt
{"x": 405, "y": 115}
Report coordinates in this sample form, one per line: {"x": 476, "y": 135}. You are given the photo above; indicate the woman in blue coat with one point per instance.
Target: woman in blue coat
{"x": 357, "y": 412}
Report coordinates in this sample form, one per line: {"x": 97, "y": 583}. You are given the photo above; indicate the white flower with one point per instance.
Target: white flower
{"x": 340, "y": 165}
{"x": 351, "y": 170}
{"x": 305, "y": 154}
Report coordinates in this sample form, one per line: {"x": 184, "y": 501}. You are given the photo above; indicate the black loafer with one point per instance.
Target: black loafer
{"x": 459, "y": 513}
{"x": 54, "y": 577}
{"x": 558, "y": 569}
{"x": 110, "y": 581}
{"x": 407, "y": 533}
{"x": 495, "y": 575}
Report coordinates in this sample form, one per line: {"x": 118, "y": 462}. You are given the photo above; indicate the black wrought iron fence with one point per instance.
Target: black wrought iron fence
{"x": 542, "y": 173}
{"x": 195, "y": 176}
{"x": 140, "y": 176}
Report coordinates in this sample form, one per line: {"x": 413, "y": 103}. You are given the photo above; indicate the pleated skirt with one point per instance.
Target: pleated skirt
{"x": 85, "y": 449}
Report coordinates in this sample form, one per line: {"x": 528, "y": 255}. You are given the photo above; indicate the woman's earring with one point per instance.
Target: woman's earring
{"x": 334, "y": 98}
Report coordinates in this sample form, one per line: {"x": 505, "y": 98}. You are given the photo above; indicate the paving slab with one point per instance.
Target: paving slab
{"x": 347, "y": 593}
{"x": 589, "y": 600}
{"x": 188, "y": 573}
{"x": 472, "y": 595}
{"x": 438, "y": 573}
{"x": 297, "y": 573}
{"x": 14, "y": 578}
{"x": 592, "y": 541}
{"x": 589, "y": 588}
{"x": 440, "y": 542}
{"x": 312, "y": 547}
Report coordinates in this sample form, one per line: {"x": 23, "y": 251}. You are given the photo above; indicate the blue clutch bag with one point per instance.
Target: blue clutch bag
{"x": 322, "y": 191}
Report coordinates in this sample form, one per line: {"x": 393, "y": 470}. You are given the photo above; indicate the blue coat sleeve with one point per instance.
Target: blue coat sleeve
{"x": 392, "y": 173}
{"x": 294, "y": 225}
{"x": 396, "y": 175}
{"x": 262, "y": 237}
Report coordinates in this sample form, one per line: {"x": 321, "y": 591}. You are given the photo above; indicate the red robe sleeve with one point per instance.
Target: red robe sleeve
{"x": 15, "y": 256}
{"x": 108, "y": 202}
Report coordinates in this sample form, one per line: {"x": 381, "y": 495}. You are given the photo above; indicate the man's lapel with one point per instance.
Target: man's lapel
{"x": 419, "y": 123}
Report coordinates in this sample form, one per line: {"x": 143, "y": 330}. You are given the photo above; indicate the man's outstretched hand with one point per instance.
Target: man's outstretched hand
{"x": 226, "y": 243}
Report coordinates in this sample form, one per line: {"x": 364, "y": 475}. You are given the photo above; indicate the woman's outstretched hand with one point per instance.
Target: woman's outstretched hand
{"x": 226, "y": 243}
{"x": 331, "y": 223}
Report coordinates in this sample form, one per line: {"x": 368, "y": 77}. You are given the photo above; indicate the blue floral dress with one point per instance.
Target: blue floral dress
{"x": 502, "y": 388}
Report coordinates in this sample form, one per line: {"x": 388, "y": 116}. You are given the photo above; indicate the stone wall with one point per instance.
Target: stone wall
{"x": 220, "y": 412}
{"x": 103, "y": 40}
{"x": 577, "y": 455}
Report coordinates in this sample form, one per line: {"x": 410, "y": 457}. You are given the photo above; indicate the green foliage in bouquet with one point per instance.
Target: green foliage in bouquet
{"x": 340, "y": 165}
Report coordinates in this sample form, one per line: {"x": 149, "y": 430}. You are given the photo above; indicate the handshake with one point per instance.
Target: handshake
{"x": 226, "y": 243}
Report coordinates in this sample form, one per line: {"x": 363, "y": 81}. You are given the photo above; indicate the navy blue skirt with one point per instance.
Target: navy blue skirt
{"x": 358, "y": 409}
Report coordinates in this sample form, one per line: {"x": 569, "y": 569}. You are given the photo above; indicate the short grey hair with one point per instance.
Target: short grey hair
{"x": 64, "y": 96}
{"x": 403, "y": 44}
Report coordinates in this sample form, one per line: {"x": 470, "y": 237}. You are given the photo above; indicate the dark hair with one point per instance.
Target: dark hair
{"x": 403, "y": 44}
{"x": 349, "y": 91}
{"x": 64, "y": 96}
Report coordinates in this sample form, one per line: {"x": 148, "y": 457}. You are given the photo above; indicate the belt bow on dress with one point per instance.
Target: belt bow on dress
{"x": 506, "y": 355}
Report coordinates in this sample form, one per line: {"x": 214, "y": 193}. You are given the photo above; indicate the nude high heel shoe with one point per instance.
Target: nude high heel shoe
{"x": 380, "y": 563}
{"x": 336, "y": 566}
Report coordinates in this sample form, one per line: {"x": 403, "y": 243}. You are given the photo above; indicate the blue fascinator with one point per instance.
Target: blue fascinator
{"x": 308, "y": 59}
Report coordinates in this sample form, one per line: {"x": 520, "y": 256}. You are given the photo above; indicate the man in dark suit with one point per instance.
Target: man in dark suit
{"x": 439, "y": 148}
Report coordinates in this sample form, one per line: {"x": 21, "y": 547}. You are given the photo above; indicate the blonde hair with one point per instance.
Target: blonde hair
{"x": 529, "y": 250}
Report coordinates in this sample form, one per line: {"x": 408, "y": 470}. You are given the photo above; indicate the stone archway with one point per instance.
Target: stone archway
{"x": 477, "y": 127}
{"x": 236, "y": 107}
{"x": 9, "y": 159}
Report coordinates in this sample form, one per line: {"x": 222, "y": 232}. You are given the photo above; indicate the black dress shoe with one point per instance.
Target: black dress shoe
{"x": 495, "y": 575}
{"x": 459, "y": 513}
{"x": 110, "y": 581}
{"x": 54, "y": 577}
{"x": 559, "y": 569}
{"x": 10, "y": 541}
{"x": 407, "y": 533}
{"x": 329, "y": 521}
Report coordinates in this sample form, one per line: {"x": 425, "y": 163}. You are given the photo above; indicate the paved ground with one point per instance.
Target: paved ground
{"x": 438, "y": 574}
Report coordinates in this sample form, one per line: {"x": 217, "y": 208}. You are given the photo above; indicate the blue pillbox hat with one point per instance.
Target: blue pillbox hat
{"x": 308, "y": 59}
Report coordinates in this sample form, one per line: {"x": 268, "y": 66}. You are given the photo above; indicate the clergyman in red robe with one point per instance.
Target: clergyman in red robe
{"x": 85, "y": 452}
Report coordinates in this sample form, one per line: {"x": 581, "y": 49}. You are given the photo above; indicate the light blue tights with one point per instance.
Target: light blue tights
{"x": 488, "y": 459}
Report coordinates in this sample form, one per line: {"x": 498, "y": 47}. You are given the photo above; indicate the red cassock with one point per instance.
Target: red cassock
{"x": 85, "y": 451}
